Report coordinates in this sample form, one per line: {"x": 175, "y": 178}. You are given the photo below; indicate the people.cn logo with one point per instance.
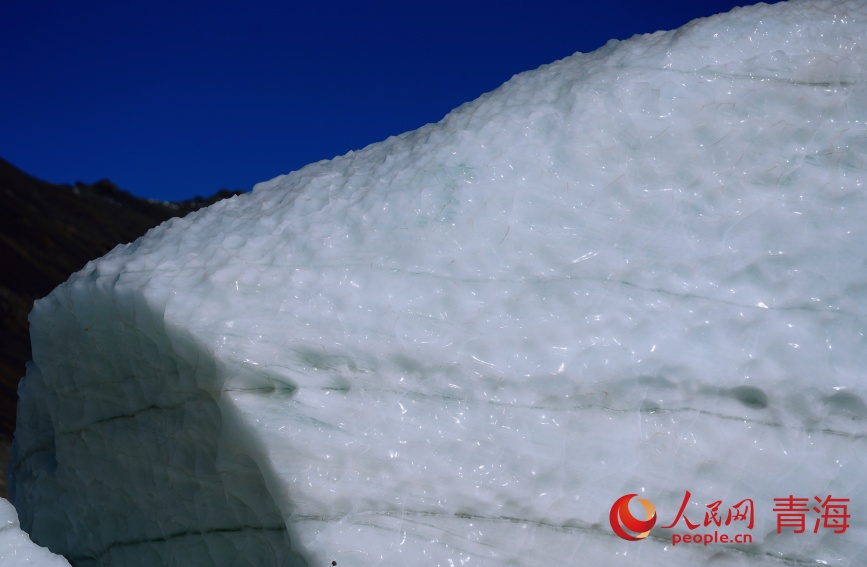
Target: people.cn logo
{"x": 622, "y": 518}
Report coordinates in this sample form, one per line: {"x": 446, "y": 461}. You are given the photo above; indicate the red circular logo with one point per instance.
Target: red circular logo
{"x": 622, "y": 518}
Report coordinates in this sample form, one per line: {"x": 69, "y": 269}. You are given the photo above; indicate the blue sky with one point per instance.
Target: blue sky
{"x": 175, "y": 99}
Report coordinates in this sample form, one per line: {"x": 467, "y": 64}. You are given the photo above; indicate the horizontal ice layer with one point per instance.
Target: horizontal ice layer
{"x": 639, "y": 270}
{"x": 16, "y": 549}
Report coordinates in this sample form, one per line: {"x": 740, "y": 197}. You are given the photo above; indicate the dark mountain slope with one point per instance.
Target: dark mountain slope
{"x": 47, "y": 232}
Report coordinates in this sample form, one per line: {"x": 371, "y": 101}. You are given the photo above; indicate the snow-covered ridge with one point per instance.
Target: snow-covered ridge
{"x": 635, "y": 270}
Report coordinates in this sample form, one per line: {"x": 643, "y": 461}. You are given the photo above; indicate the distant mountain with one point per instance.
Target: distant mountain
{"x": 48, "y": 232}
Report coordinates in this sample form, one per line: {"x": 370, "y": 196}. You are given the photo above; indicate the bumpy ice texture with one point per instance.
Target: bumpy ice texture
{"x": 16, "y": 549}
{"x": 639, "y": 270}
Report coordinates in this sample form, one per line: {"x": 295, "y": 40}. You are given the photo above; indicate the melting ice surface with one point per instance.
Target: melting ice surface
{"x": 639, "y": 270}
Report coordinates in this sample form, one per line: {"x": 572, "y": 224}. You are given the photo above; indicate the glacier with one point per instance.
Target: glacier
{"x": 635, "y": 271}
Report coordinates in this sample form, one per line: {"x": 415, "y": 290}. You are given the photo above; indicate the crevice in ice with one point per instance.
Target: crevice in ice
{"x": 761, "y": 78}
{"x": 807, "y": 308}
{"x": 367, "y": 518}
{"x": 653, "y": 409}
{"x": 811, "y": 307}
{"x": 131, "y": 415}
{"x": 175, "y": 536}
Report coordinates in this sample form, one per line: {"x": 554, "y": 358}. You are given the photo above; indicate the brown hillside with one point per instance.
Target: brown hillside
{"x": 48, "y": 232}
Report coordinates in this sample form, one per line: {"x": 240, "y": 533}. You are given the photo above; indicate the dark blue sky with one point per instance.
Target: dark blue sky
{"x": 175, "y": 99}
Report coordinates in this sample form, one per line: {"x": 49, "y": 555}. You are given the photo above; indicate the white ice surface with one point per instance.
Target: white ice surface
{"x": 641, "y": 269}
{"x": 16, "y": 549}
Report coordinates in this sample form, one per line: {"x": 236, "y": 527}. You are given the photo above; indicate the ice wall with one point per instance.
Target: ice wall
{"x": 640, "y": 270}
